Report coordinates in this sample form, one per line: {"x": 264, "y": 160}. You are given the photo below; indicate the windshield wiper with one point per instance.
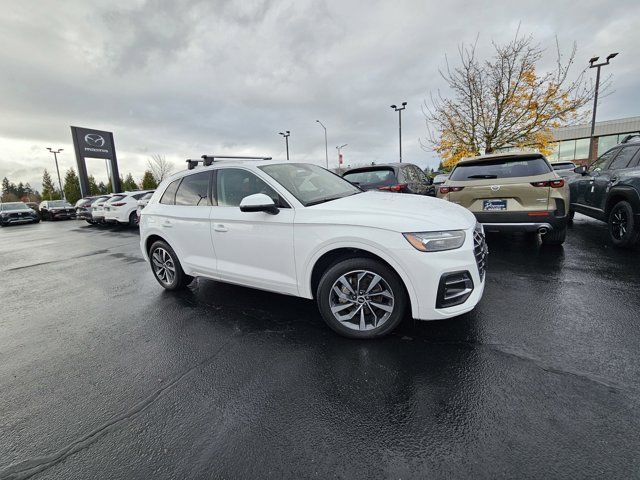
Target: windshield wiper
{"x": 482, "y": 176}
{"x": 328, "y": 199}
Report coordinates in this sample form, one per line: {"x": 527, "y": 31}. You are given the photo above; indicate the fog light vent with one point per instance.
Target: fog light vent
{"x": 454, "y": 289}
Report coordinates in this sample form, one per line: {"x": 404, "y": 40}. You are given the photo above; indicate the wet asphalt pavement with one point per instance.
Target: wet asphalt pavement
{"x": 105, "y": 375}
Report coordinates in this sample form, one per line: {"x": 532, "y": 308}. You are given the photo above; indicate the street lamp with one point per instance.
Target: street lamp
{"x": 399, "y": 110}
{"x": 593, "y": 64}
{"x": 340, "y": 153}
{"x": 55, "y": 157}
{"x": 286, "y": 140}
{"x": 326, "y": 147}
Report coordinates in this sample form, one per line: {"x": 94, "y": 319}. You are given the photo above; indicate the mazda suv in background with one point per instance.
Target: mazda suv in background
{"x": 298, "y": 229}
{"x": 392, "y": 177}
{"x": 57, "y": 210}
{"x": 511, "y": 192}
{"x": 12, "y": 213}
{"x": 609, "y": 190}
{"x": 122, "y": 208}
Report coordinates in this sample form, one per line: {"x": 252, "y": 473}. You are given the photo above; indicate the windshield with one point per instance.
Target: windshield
{"x": 310, "y": 184}
{"x": 4, "y": 207}
{"x": 381, "y": 176}
{"x": 59, "y": 203}
{"x": 563, "y": 166}
{"x": 509, "y": 167}
{"x": 115, "y": 198}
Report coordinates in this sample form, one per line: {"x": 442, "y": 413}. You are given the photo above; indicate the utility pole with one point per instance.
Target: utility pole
{"x": 55, "y": 157}
{"x": 399, "y": 110}
{"x": 593, "y": 151}
{"x": 286, "y": 140}
{"x": 326, "y": 145}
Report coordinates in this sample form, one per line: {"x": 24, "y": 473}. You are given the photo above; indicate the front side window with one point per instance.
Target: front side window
{"x": 169, "y": 195}
{"x": 602, "y": 162}
{"x": 194, "y": 190}
{"x": 233, "y": 184}
{"x": 624, "y": 157}
{"x": 309, "y": 183}
{"x": 507, "y": 167}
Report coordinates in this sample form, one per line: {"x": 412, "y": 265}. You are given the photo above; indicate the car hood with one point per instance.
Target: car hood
{"x": 392, "y": 211}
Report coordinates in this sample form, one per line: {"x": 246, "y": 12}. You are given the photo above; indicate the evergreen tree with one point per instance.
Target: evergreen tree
{"x": 72, "y": 187}
{"x": 6, "y": 189}
{"x": 94, "y": 189}
{"x": 20, "y": 191}
{"x": 129, "y": 184}
{"x": 49, "y": 191}
{"x": 148, "y": 181}
{"x": 102, "y": 188}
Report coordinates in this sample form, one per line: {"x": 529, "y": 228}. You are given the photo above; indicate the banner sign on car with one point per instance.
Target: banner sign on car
{"x": 90, "y": 143}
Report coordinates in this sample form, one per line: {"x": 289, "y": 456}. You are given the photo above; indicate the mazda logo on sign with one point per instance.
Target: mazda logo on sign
{"x": 495, "y": 188}
{"x": 94, "y": 139}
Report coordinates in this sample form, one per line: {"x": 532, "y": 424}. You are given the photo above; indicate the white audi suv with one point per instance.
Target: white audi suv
{"x": 298, "y": 229}
{"x": 122, "y": 208}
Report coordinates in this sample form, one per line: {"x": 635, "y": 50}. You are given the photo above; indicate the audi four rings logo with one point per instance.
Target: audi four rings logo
{"x": 94, "y": 139}
{"x": 495, "y": 188}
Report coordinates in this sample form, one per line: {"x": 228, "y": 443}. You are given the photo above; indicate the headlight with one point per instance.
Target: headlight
{"x": 436, "y": 241}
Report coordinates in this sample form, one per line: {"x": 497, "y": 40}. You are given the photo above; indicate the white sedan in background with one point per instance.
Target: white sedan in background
{"x": 298, "y": 229}
{"x": 123, "y": 208}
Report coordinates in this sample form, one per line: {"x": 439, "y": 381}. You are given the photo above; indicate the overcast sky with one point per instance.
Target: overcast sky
{"x": 183, "y": 78}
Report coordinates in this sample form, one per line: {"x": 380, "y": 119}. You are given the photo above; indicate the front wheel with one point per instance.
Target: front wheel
{"x": 166, "y": 267}
{"x": 623, "y": 228}
{"x": 361, "y": 298}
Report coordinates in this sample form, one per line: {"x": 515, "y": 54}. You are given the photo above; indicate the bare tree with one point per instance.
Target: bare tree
{"x": 160, "y": 167}
{"x": 503, "y": 102}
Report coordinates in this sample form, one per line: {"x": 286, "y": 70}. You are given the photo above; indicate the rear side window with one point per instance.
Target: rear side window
{"x": 509, "y": 167}
{"x": 194, "y": 190}
{"x": 382, "y": 176}
{"x": 624, "y": 157}
{"x": 169, "y": 195}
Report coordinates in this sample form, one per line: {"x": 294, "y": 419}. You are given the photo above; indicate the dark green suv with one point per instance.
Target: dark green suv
{"x": 609, "y": 190}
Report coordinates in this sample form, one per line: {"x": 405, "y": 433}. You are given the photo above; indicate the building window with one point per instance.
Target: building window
{"x": 582, "y": 149}
{"x": 607, "y": 142}
{"x": 567, "y": 150}
{"x": 553, "y": 156}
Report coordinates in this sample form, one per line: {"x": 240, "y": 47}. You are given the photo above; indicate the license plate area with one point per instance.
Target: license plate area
{"x": 494, "y": 205}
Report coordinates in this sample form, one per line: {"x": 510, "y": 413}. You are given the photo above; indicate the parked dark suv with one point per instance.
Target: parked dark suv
{"x": 392, "y": 177}
{"x": 609, "y": 190}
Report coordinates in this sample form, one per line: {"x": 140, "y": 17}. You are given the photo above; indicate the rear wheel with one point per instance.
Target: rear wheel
{"x": 166, "y": 267}
{"x": 570, "y": 216}
{"x": 557, "y": 236}
{"x": 623, "y": 228}
{"x": 361, "y": 298}
{"x": 90, "y": 222}
{"x": 133, "y": 219}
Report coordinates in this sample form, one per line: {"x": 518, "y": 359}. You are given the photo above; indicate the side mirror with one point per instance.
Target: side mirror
{"x": 582, "y": 170}
{"x": 258, "y": 202}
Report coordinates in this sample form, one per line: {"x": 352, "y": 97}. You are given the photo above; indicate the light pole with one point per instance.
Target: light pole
{"x": 592, "y": 64}
{"x": 340, "y": 153}
{"x": 326, "y": 145}
{"x": 286, "y": 140}
{"x": 55, "y": 157}
{"x": 399, "y": 110}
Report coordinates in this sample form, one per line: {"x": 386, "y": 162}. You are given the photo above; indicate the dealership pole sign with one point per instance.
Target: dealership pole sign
{"x": 89, "y": 143}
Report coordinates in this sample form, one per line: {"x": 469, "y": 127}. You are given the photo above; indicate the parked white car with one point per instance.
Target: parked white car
{"x": 123, "y": 208}
{"x": 298, "y": 229}
{"x": 144, "y": 200}
{"x": 97, "y": 208}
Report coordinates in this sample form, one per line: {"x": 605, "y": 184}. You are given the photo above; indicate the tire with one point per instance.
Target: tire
{"x": 354, "y": 303}
{"x": 570, "y": 216}
{"x": 623, "y": 227}
{"x": 133, "y": 219}
{"x": 557, "y": 236}
{"x": 37, "y": 220}
{"x": 170, "y": 276}
{"x": 90, "y": 222}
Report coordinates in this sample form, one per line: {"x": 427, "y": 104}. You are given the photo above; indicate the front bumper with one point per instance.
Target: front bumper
{"x": 62, "y": 214}
{"x": 18, "y": 220}
{"x": 83, "y": 215}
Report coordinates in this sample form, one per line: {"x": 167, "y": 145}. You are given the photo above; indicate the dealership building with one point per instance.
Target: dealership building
{"x": 572, "y": 143}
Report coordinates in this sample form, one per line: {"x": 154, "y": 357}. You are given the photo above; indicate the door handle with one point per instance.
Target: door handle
{"x": 613, "y": 180}
{"x": 167, "y": 224}
{"x": 219, "y": 227}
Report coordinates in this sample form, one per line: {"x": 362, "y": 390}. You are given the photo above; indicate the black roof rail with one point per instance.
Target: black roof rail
{"x": 630, "y": 137}
{"x": 207, "y": 160}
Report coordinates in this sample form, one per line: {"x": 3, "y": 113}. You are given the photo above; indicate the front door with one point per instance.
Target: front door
{"x": 252, "y": 248}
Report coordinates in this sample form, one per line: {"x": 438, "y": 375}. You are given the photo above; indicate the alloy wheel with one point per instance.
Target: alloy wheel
{"x": 163, "y": 266}
{"x": 361, "y": 300}
{"x": 619, "y": 223}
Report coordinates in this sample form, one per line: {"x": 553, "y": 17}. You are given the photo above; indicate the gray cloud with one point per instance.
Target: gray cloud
{"x": 185, "y": 78}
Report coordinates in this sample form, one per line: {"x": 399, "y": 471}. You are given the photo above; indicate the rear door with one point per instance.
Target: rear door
{"x": 502, "y": 184}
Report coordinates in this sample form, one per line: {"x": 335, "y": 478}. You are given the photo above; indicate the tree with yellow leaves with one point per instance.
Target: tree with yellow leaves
{"x": 503, "y": 102}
